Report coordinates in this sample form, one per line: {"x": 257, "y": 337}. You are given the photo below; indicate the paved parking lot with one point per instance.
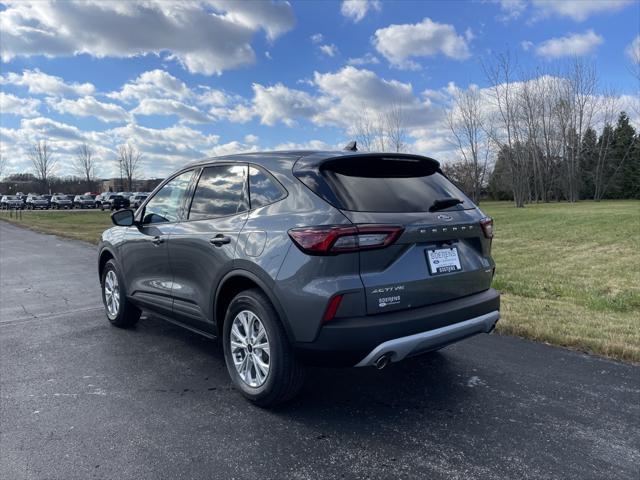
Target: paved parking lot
{"x": 81, "y": 399}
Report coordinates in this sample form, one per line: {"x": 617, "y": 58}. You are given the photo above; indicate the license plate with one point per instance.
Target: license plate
{"x": 443, "y": 260}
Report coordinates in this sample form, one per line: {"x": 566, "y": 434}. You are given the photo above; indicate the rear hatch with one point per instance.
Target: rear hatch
{"x": 440, "y": 255}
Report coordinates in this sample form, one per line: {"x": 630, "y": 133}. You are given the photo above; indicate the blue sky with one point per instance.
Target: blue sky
{"x": 182, "y": 80}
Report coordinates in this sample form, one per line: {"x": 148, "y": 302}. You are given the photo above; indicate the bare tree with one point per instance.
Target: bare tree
{"x": 500, "y": 75}
{"x": 466, "y": 121}
{"x": 381, "y": 131}
{"x": 42, "y": 161}
{"x": 129, "y": 158}
{"x": 366, "y": 130}
{"x": 395, "y": 130}
{"x": 576, "y": 111}
{"x": 85, "y": 164}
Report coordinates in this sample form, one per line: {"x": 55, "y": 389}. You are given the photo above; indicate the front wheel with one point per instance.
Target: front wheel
{"x": 120, "y": 311}
{"x": 258, "y": 355}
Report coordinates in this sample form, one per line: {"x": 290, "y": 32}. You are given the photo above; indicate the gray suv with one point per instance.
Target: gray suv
{"x": 298, "y": 257}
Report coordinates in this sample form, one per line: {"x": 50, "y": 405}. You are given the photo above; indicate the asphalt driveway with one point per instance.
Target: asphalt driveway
{"x": 81, "y": 399}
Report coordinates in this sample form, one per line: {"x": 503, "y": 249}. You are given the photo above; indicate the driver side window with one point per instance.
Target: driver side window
{"x": 166, "y": 204}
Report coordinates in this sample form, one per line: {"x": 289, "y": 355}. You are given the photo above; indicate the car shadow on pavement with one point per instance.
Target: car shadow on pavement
{"x": 429, "y": 382}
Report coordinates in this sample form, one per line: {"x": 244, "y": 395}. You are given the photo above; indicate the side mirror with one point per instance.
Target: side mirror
{"x": 123, "y": 218}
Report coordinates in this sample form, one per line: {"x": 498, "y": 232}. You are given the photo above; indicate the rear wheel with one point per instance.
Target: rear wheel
{"x": 120, "y": 311}
{"x": 258, "y": 355}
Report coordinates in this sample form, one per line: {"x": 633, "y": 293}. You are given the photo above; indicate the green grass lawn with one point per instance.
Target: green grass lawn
{"x": 85, "y": 225}
{"x": 569, "y": 274}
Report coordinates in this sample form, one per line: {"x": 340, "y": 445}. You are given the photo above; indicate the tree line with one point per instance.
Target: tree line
{"x": 85, "y": 163}
{"x": 538, "y": 137}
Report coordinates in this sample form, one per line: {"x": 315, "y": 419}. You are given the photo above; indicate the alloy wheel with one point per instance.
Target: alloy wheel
{"x": 112, "y": 293}
{"x": 250, "y": 348}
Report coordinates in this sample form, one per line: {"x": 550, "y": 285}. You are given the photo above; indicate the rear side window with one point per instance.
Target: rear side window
{"x": 263, "y": 188}
{"x": 221, "y": 191}
{"x": 389, "y": 185}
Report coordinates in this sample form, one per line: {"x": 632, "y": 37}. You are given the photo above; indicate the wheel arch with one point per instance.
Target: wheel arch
{"x": 235, "y": 282}
{"x": 105, "y": 255}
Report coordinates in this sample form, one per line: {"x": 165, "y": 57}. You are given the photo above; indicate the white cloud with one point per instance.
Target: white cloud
{"x": 212, "y": 97}
{"x": 367, "y": 59}
{"x": 281, "y": 104}
{"x": 250, "y": 138}
{"x": 90, "y": 107}
{"x": 345, "y": 93}
{"x": 577, "y": 10}
{"x": 398, "y": 43}
{"x": 338, "y": 100}
{"x": 571, "y": 45}
{"x": 205, "y": 36}
{"x": 356, "y": 10}
{"x": 23, "y": 107}
{"x": 527, "y": 45}
{"x": 633, "y": 50}
{"x": 159, "y": 106}
{"x": 511, "y": 9}
{"x": 329, "y": 50}
{"x": 310, "y": 145}
{"x": 39, "y": 83}
{"x": 317, "y": 38}
{"x": 274, "y": 17}
{"x": 153, "y": 83}
{"x": 42, "y": 127}
{"x": 230, "y": 148}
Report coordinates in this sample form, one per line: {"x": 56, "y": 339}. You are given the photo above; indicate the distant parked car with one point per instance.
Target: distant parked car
{"x": 102, "y": 198}
{"x": 47, "y": 197}
{"x": 61, "y": 201}
{"x": 115, "y": 202}
{"x": 83, "y": 201}
{"x": 35, "y": 202}
{"x": 8, "y": 202}
{"x": 137, "y": 199}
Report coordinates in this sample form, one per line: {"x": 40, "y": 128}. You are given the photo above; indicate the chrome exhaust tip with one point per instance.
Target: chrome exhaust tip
{"x": 382, "y": 361}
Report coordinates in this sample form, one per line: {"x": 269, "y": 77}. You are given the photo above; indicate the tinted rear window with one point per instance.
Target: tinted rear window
{"x": 389, "y": 185}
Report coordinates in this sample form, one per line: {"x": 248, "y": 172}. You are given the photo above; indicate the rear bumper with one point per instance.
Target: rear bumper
{"x": 361, "y": 341}
{"x": 399, "y": 348}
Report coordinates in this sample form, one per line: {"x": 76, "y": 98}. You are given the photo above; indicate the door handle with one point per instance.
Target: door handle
{"x": 157, "y": 240}
{"x": 220, "y": 240}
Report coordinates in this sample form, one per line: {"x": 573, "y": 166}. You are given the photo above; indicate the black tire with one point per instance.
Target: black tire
{"x": 286, "y": 376}
{"x": 127, "y": 314}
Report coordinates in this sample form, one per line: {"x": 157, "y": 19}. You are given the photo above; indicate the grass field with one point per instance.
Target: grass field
{"x": 85, "y": 225}
{"x": 569, "y": 274}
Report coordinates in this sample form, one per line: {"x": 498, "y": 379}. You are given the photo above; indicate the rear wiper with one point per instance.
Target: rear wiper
{"x": 442, "y": 203}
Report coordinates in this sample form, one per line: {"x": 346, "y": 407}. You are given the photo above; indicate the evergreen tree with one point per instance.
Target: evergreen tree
{"x": 624, "y": 181}
{"x": 500, "y": 186}
{"x": 589, "y": 158}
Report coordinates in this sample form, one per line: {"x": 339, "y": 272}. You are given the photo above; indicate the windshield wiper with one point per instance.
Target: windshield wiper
{"x": 442, "y": 203}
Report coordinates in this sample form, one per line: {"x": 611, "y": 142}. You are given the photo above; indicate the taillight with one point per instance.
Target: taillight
{"x": 335, "y": 239}
{"x": 487, "y": 227}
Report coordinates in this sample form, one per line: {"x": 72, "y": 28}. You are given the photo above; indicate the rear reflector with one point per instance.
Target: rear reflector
{"x": 335, "y": 239}
{"x": 332, "y": 308}
{"x": 487, "y": 227}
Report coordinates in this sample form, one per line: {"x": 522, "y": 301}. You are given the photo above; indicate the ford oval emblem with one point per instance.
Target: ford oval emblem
{"x": 444, "y": 217}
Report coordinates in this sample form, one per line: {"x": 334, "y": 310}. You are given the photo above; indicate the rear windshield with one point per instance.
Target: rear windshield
{"x": 390, "y": 185}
